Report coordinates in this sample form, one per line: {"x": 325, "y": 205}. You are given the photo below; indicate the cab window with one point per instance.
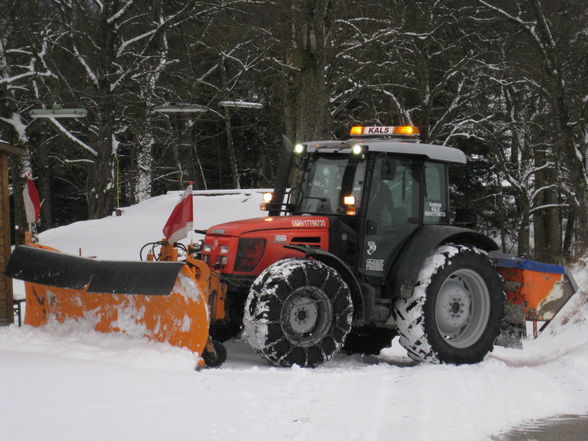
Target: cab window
{"x": 328, "y": 178}
{"x": 394, "y": 193}
{"x": 435, "y": 209}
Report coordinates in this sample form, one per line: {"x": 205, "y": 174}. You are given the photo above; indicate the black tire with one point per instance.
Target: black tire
{"x": 298, "y": 312}
{"x": 215, "y": 360}
{"x": 455, "y": 310}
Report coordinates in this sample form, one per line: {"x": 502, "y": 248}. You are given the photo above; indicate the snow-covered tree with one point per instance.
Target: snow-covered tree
{"x": 25, "y": 42}
{"x": 547, "y": 56}
{"x": 114, "y": 45}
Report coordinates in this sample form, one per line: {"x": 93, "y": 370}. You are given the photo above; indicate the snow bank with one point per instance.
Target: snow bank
{"x": 77, "y": 340}
{"x": 121, "y": 237}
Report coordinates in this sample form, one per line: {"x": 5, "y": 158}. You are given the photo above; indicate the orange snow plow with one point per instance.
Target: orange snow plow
{"x": 535, "y": 291}
{"x": 162, "y": 299}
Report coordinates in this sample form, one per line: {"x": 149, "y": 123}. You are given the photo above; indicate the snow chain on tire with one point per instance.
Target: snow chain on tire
{"x": 455, "y": 310}
{"x": 298, "y": 312}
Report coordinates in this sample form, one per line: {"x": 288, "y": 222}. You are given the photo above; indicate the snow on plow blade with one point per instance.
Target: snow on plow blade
{"x": 163, "y": 301}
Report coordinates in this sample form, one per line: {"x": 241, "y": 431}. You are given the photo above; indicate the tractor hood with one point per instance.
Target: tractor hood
{"x": 243, "y": 249}
{"x": 241, "y": 227}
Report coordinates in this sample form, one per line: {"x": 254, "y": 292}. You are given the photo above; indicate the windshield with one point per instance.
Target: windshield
{"x": 327, "y": 179}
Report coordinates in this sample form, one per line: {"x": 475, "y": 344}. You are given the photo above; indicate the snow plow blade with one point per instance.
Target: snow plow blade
{"x": 163, "y": 301}
{"x": 47, "y": 267}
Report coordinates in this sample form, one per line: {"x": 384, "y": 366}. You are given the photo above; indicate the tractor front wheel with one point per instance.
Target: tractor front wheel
{"x": 298, "y": 312}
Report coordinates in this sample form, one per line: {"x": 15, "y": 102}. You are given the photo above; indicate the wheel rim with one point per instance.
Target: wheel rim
{"x": 462, "y": 309}
{"x": 306, "y": 316}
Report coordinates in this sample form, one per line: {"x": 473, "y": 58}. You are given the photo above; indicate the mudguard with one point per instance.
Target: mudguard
{"x": 405, "y": 269}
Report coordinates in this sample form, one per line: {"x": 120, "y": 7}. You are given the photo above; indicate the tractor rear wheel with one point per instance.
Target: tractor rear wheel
{"x": 298, "y": 312}
{"x": 455, "y": 310}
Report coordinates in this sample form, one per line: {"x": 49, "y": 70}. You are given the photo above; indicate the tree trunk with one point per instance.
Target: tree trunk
{"x": 198, "y": 172}
{"x": 19, "y": 167}
{"x": 553, "y": 226}
{"x": 523, "y": 228}
{"x": 569, "y": 233}
{"x": 45, "y": 185}
{"x": 229, "y": 131}
{"x": 306, "y": 104}
{"x": 144, "y": 163}
{"x": 539, "y": 234}
{"x": 185, "y": 151}
{"x": 548, "y": 230}
{"x": 101, "y": 179}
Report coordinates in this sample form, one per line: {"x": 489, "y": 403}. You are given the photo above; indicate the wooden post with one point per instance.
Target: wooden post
{"x": 6, "y": 299}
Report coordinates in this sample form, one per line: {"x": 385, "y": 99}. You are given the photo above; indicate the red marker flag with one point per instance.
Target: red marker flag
{"x": 32, "y": 202}
{"x": 181, "y": 219}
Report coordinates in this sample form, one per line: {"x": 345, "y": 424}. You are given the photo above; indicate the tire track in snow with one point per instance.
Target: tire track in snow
{"x": 536, "y": 360}
{"x": 269, "y": 415}
{"x": 381, "y": 402}
{"x": 325, "y": 390}
{"x": 334, "y": 403}
{"x": 307, "y": 410}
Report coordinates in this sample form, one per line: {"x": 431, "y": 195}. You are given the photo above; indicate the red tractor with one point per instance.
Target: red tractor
{"x": 363, "y": 249}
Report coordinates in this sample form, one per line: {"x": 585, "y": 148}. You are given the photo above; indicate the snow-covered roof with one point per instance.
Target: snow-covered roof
{"x": 241, "y": 103}
{"x": 431, "y": 151}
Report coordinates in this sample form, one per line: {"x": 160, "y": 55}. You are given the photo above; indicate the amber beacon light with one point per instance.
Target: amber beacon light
{"x": 384, "y": 131}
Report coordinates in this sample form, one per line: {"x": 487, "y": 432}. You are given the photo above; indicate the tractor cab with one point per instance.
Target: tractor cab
{"x": 376, "y": 188}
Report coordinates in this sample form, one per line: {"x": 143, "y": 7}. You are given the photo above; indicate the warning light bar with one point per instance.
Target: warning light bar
{"x": 384, "y": 131}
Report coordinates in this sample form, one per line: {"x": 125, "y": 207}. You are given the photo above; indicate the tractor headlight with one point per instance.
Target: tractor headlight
{"x": 357, "y": 149}
{"x": 267, "y": 198}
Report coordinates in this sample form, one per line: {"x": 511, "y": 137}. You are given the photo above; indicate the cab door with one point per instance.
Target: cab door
{"x": 393, "y": 211}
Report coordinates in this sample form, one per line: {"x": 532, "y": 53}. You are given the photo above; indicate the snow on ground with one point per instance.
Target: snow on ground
{"x": 66, "y": 383}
